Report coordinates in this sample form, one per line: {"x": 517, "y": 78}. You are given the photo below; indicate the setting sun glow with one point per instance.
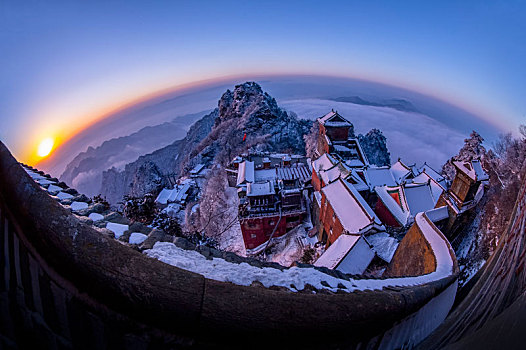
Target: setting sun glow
{"x": 45, "y": 147}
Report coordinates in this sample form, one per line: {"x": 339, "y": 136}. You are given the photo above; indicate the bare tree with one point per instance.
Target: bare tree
{"x": 311, "y": 140}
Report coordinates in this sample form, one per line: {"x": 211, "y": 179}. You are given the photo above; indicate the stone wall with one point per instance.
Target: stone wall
{"x": 492, "y": 315}
{"x": 413, "y": 257}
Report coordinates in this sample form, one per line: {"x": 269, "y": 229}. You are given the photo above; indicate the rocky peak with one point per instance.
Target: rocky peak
{"x": 245, "y": 101}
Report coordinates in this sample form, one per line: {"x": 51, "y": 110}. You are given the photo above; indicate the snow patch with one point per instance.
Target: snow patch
{"x": 53, "y": 188}
{"x": 137, "y": 238}
{"x": 76, "y": 206}
{"x": 96, "y": 216}
{"x": 117, "y": 229}
{"x": 64, "y": 195}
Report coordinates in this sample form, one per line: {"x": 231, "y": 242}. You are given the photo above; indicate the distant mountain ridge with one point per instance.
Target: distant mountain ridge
{"x": 216, "y": 138}
{"x": 84, "y": 172}
{"x": 395, "y": 103}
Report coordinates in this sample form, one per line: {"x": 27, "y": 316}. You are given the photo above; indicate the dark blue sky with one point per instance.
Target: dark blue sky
{"x": 64, "y": 64}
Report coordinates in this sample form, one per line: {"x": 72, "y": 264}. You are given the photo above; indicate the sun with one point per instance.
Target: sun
{"x": 45, "y": 147}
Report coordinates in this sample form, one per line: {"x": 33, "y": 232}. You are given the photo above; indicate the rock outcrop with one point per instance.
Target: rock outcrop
{"x": 246, "y": 118}
{"x": 374, "y": 145}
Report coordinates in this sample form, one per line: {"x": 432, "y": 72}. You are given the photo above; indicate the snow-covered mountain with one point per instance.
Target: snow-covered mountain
{"x": 245, "y": 118}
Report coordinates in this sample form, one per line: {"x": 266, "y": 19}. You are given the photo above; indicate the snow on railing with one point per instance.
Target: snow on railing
{"x": 296, "y": 278}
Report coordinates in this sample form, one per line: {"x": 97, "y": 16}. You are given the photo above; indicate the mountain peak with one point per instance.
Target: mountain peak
{"x": 246, "y": 100}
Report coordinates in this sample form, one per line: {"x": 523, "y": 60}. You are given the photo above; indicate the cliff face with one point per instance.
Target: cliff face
{"x": 215, "y": 139}
{"x": 148, "y": 173}
{"x": 374, "y": 145}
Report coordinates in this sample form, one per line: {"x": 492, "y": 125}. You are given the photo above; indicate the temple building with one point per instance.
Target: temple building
{"x": 344, "y": 211}
{"x": 465, "y": 192}
{"x": 271, "y": 196}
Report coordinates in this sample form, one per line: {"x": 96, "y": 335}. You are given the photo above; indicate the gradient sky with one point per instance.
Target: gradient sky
{"x": 63, "y": 64}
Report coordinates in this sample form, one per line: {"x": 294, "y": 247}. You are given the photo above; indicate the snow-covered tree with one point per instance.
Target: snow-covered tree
{"x": 213, "y": 212}
{"x": 311, "y": 139}
{"x": 472, "y": 149}
{"x": 374, "y": 144}
{"x": 506, "y": 167}
{"x": 140, "y": 209}
{"x": 168, "y": 224}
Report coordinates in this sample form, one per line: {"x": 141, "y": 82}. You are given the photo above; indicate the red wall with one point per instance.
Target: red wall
{"x": 262, "y": 229}
{"x": 329, "y": 220}
{"x": 385, "y": 215}
{"x": 316, "y": 182}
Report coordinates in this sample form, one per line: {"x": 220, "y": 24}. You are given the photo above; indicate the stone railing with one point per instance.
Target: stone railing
{"x": 65, "y": 284}
{"x": 491, "y": 316}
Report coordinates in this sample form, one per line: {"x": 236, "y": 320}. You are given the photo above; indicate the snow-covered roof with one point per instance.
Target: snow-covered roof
{"x": 334, "y": 119}
{"x": 177, "y": 194}
{"x": 436, "y": 188}
{"x": 384, "y": 194}
{"x": 163, "y": 196}
{"x": 331, "y": 174}
{"x": 354, "y": 145}
{"x": 437, "y": 214}
{"x": 197, "y": 169}
{"x": 245, "y": 172}
{"x": 295, "y": 171}
{"x": 326, "y": 161}
{"x": 260, "y": 189}
{"x": 435, "y": 175}
{"x": 353, "y": 212}
{"x": 472, "y": 169}
{"x": 337, "y": 251}
{"x": 383, "y": 244}
{"x": 400, "y": 171}
{"x": 407, "y": 200}
{"x": 292, "y": 172}
{"x": 354, "y": 163}
{"x": 342, "y": 148}
{"x": 418, "y": 198}
{"x": 379, "y": 176}
{"x": 481, "y": 174}
{"x": 356, "y": 180}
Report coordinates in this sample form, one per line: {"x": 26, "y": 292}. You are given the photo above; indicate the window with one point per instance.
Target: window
{"x": 253, "y": 235}
{"x": 271, "y": 222}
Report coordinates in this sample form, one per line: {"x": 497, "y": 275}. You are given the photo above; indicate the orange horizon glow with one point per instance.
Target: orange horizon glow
{"x": 64, "y": 133}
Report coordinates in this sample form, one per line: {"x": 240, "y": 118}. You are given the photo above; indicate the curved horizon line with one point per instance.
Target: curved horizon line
{"x": 185, "y": 88}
